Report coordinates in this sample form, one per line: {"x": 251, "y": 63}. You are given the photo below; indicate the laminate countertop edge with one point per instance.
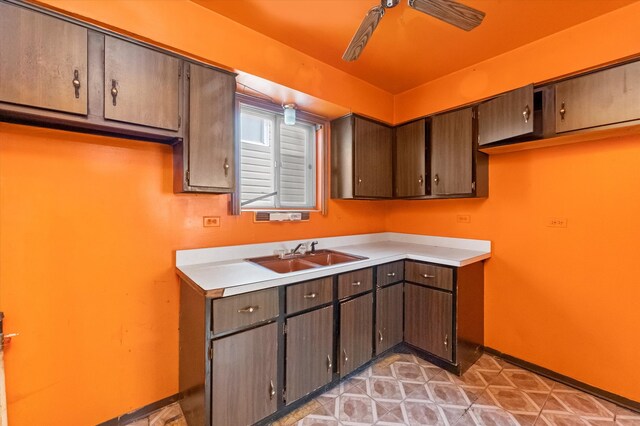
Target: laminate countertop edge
{"x": 236, "y": 276}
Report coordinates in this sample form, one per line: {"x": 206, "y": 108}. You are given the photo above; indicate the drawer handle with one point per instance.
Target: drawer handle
{"x": 346, "y": 358}
{"x": 446, "y": 341}
{"x": 391, "y": 274}
{"x": 355, "y": 284}
{"x": 272, "y": 390}
{"x": 329, "y": 364}
{"x": 310, "y": 296}
{"x": 248, "y": 310}
{"x": 427, "y": 276}
{"x": 380, "y": 336}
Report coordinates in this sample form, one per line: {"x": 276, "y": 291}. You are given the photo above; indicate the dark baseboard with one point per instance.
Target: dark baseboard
{"x": 566, "y": 380}
{"x": 141, "y": 412}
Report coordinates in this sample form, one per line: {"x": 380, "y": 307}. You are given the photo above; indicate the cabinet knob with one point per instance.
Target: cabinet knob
{"x": 356, "y": 283}
{"x": 526, "y": 113}
{"x": 76, "y": 83}
{"x": 391, "y": 274}
{"x": 359, "y": 180}
{"x": 562, "y": 111}
{"x": 310, "y": 296}
{"x": 114, "y": 91}
{"x": 346, "y": 358}
{"x": 380, "y": 338}
{"x": 272, "y": 390}
{"x": 436, "y": 179}
{"x": 226, "y": 167}
{"x": 427, "y": 276}
{"x": 248, "y": 310}
{"x": 420, "y": 180}
{"x": 446, "y": 341}
{"x": 329, "y": 364}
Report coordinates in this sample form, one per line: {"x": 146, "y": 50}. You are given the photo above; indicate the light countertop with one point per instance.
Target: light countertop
{"x": 222, "y": 271}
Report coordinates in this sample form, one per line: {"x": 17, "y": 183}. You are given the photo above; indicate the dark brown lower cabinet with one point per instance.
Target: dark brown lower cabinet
{"x": 388, "y": 317}
{"x": 309, "y": 353}
{"x": 244, "y": 372}
{"x": 429, "y": 320}
{"x": 356, "y": 322}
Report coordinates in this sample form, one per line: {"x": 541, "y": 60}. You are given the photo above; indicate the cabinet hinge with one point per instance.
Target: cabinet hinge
{"x": 179, "y": 121}
{"x": 211, "y": 352}
{"x": 473, "y": 186}
{"x": 179, "y": 70}
{"x": 188, "y": 74}
{"x": 284, "y": 394}
{"x": 187, "y": 176}
{"x": 284, "y": 329}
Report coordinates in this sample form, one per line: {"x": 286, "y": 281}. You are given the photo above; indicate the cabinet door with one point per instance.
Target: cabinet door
{"x": 141, "y": 86}
{"x": 428, "y": 320}
{"x": 356, "y": 321}
{"x": 309, "y": 352}
{"x": 388, "y": 317}
{"x": 410, "y": 160}
{"x": 506, "y": 116}
{"x": 604, "y": 97}
{"x": 243, "y": 386}
{"x": 452, "y": 153}
{"x": 373, "y": 159}
{"x": 211, "y": 128}
{"x": 43, "y": 61}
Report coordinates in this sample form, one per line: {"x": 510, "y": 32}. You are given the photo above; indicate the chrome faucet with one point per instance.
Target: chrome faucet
{"x": 295, "y": 250}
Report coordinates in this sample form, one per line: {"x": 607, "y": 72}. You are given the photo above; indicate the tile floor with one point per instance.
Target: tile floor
{"x": 402, "y": 389}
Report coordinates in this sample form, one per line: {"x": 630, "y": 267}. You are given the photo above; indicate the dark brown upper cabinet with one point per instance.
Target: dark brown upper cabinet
{"x": 204, "y": 159}
{"x": 309, "y": 352}
{"x": 507, "y": 116}
{"x": 452, "y": 154}
{"x": 361, "y": 158}
{"x": 598, "y": 99}
{"x": 141, "y": 85}
{"x": 43, "y": 61}
{"x": 411, "y": 178}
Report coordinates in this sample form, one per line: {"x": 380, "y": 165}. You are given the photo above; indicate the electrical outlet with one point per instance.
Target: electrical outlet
{"x": 464, "y": 218}
{"x": 208, "y": 221}
{"x": 557, "y": 222}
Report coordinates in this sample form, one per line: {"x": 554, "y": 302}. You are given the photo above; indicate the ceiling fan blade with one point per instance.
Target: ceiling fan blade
{"x": 450, "y": 11}
{"x": 362, "y": 36}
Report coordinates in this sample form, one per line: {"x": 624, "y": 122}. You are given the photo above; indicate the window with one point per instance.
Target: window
{"x": 277, "y": 161}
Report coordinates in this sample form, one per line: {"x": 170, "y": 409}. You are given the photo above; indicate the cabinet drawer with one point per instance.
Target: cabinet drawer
{"x": 309, "y": 294}
{"x": 234, "y": 312}
{"x": 355, "y": 282}
{"x": 390, "y": 273}
{"x": 431, "y": 275}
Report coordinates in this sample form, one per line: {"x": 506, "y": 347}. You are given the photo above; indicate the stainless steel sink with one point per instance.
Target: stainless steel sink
{"x": 299, "y": 262}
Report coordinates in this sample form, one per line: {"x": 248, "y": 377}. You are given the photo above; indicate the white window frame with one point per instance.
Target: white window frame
{"x": 313, "y": 178}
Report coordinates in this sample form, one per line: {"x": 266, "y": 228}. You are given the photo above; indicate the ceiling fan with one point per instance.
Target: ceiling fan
{"x": 449, "y": 11}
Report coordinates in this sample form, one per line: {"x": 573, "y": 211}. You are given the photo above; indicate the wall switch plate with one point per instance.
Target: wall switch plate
{"x": 557, "y": 222}
{"x": 208, "y": 221}
{"x": 464, "y": 218}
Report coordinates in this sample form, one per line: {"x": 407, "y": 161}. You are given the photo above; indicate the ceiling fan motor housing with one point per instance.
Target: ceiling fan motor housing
{"x": 389, "y": 3}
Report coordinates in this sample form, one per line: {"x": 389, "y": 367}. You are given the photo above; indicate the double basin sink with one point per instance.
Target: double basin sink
{"x": 300, "y": 262}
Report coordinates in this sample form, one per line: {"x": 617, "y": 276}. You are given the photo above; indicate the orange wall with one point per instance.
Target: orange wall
{"x": 561, "y": 298}
{"x": 89, "y": 226}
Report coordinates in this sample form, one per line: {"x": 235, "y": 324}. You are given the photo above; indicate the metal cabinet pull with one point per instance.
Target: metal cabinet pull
{"x": 226, "y": 167}
{"x": 329, "y": 364}
{"x": 391, "y": 274}
{"x": 436, "y": 179}
{"x": 380, "y": 338}
{"x": 346, "y": 358}
{"x": 76, "y": 83}
{"x": 114, "y": 91}
{"x": 272, "y": 390}
{"x": 420, "y": 180}
{"x": 526, "y": 113}
{"x": 357, "y": 283}
{"x": 427, "y": 276}
{"x": 248, "y": 310}
{"x": 359, "y": 181}
{"x": 310, "y": 296}
{"x": 562, "y": 111}
{"x": 446, "y": 341}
